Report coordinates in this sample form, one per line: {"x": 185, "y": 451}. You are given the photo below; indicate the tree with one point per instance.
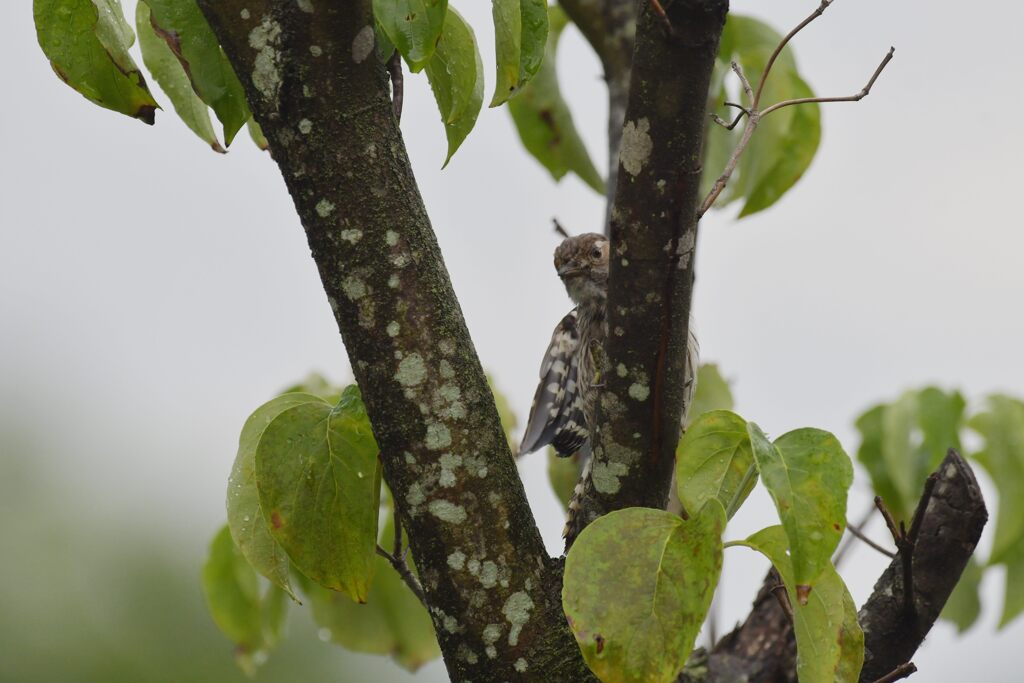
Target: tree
{"x": 320, "y": 93}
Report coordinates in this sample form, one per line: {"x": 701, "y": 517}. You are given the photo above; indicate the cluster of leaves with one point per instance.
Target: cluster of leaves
{"x": 304, "y": 505}
{"x": 904, "y": 440}
{"x": 666, "y": 576}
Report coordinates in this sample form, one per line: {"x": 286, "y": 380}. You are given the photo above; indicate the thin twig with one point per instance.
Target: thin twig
{"x": 560, "y": 229}
{"x": 738, "y": 70}
{"x": 865, "y": 91}
{"x": 899, "y": 673}
{"x": 397, "y": 83}
{"x": 407, "y": 576}
{"x": 778, "y": 49}
{"x": 857, "y": 533}
{"x": 848, "y": 541}
{"x": 396, "y": 549}
{"x": 905, "y": 544}
{"x": 734, "y": 160}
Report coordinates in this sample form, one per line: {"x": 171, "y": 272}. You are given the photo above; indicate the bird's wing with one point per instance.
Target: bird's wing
{"x": 556, "y": 416}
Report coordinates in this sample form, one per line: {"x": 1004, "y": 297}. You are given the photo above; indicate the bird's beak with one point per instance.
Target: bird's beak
{"x": 568, "y": 270}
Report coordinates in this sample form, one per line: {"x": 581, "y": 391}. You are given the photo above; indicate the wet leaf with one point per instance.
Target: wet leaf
{"x": 829, "y": 641}
{"x": 544, "y": 121}
{"x": 520, "y": 34}
{"x": 712, "y": 393}
{"x": 87, "y": 44}
{"x": 173, "y": 80}
{"x": 318, "y": 477}
{"x": 638, "y": 584}
{"x": 412, "y": 26}
{"x": 232, "y": 590}
{"x": 391, "y": 622}
{"x": 808, "y": 475}
{"x": 183, "y": 27}
{"x": 714, "y": 460}
{"x": 249, "y": 528}
{"x": 456, "y": 76}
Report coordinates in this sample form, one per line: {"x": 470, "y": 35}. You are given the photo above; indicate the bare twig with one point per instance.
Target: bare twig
{"x": 754, "y": 114}
{"x": 905, "y": 541}
{"x": 899, "y": 673}
{"x": 560, "y": 229}
{"x": 848, "y": 541}
{"x": 397, "y": 83}
{"x": 403, "y": 571}
{"x": 785, "y": 41}
{"x": 865, "y": 91}
{"x": 857, "y": 533}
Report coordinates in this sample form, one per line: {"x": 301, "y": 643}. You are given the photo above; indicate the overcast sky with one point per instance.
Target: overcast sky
{"x": 153, "y": 293}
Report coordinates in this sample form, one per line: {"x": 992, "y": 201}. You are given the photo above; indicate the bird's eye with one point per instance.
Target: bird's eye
{"x": 595, "y": 252}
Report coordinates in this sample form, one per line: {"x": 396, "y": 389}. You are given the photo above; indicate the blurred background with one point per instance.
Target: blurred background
{"x": 152, "y": 294}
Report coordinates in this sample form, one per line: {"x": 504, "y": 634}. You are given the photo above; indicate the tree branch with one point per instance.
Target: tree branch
{"x": 320, "y": 93}
{"x": 654, "y": 233}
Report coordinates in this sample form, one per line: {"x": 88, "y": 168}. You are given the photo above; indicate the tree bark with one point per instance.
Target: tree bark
{"x": 320, "y": 93}
{"x": 654, "y": 234}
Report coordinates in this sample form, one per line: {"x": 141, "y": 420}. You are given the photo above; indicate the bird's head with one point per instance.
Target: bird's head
{"x": 582, "y": 263}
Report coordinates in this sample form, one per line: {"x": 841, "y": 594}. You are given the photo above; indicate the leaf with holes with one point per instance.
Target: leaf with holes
{"x": 807, "y": 474}
{"x": 318, "y": 478}
{"x": 638, "y": 584}
{"x": 714, "y": 460}
{"x": 544, "y": 121}
{"x": 829, "y": 641}
{"x": 249, "y": 528}
{"x": 456, "y": 76}
{"x": 183, "y": 27}
{"x": 87, "y": 44}
{"x": 520, "y": 34}
{"x": 173, "y": 80}
{"x": 413, "y": 26}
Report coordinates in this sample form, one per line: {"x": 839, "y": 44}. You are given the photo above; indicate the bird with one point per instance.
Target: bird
{"x": 564, "y": 406}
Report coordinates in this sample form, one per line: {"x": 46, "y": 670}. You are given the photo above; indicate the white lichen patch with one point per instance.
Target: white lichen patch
{"x": 446, "y": 370}
{"x": 488, "y": 574}
{"x": 447, "y": 511}
{"x": 315, "y": 50}
{"x": 353, "y": 287}
{"x": 621, "y": 371}
{"x": 451, "y": 624}
{"x": 307, "y": 91}
{"x": 266, "y": 75}
{"x": 520, "y": 665}
{"x": 636, "y": 146}
{"x": 393, "y": 281}
{"x": 457, "y": 560}
{"x": 362, "y": 44}
{"x": 414, "y": 497}
{"x": 447, "y": 479}
{"x": 411, "y": 371}
{"x": 687, "y": 243}
{"x": 474, "y": 566}
{"x": 352, "y": 235}
{"x": 391, "y": 237}
{"x": 619, "y": 331}
{"x": 393, "y": 329}
{"x": 410, "y": 459}
{"x": 517, "y": 610}
{"x": 333, "y": 303}
{"x": 305, "y": 6}
{"x": 606, "y": 476}
{"x": 244, "y": 13}
{"x": 492, "y": 632}
{"x": 305, "y": 126}
{"x": 324, "y": 208}
{"x": 439, "y": 436}
{"x": 639, "y": 392}
{"x": 661, "y": 186}
{"x": 491, "y": 651}
{"x": 400, "y": 260}
{"x": 447, "y": 346}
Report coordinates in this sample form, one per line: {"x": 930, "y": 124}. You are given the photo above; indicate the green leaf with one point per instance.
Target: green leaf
{"x": 807, "y": 474}
{"x": 318, "y": 385}
{"x": 249, "y": 528}
{"x": 232, "y": 592}
{"x": 544, "y": 121}
{"x": 1013, "y": 601}
{"x": 563, "y": 473}
{"x": 829, "y": 641}
{"x": 638, "y": 584}
{"x": 183, "y": 27}
{"x": 520, "y": 34}
{"x": 256, "y": 133}
{"x": 712, "y": 392}
{"x": 505, "y": 413}
{"x": 964, "y": 604}
{"x": 456, "y": 76}
{"x": 413, "y": 26}
{"x": 168, "y": 72}
{"x": 1002, "y": 428}
{"x": 87, "y": 44}
{"x": 319, "y": 486}
{"x": 786, "y": 140}
{"x": 714, "y": 460}
{"x": 391, "y": 622}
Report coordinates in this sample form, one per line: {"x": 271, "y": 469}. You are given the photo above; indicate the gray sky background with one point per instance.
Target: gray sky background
{"x": 153, "y": 293}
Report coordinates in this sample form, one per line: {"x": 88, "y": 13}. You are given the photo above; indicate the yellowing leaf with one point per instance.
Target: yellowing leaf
{"x": 714, "y": 460}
